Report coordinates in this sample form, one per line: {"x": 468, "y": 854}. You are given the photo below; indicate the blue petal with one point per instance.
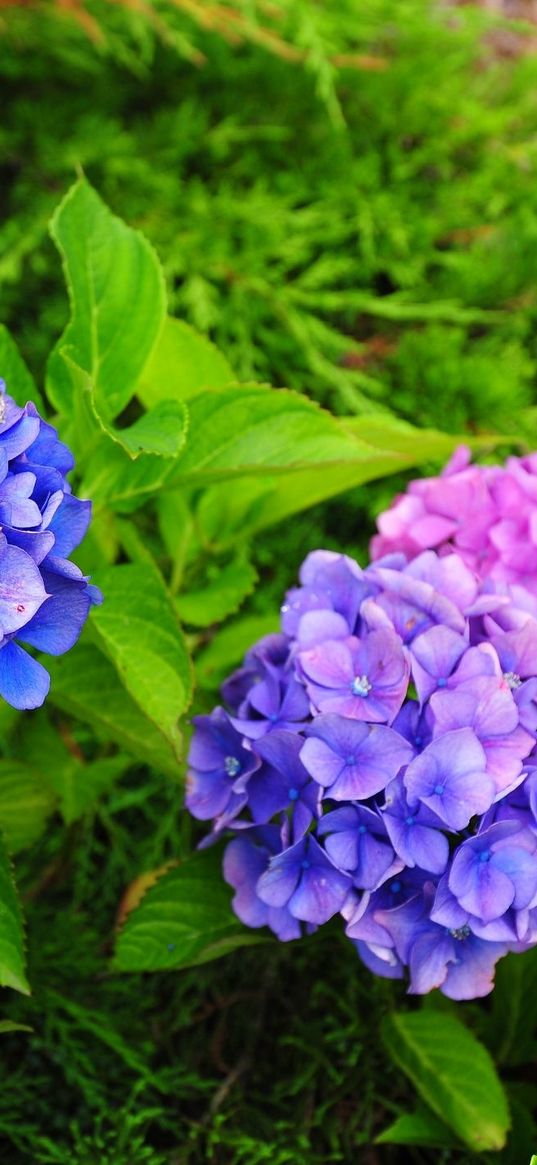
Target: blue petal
{"x": 24, "y": 683}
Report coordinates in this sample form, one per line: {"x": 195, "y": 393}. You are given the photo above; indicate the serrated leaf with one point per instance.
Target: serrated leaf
{"x": 419, "y": 1128}
{"x": 182, "y": 363}
{"x": 225, "y": 590}
{"x": 26, "y": 802}
{"x": 139, "y": 631}
{"x": 12, "y": 961}
{"x": 452, "y": 1072}
{"x": 254, "y": 429}
{"x": 19, "y": 381}
{"x": 184, "y": 919}
{"x": 86, "y": 685}
{"x": 118, "y": 302}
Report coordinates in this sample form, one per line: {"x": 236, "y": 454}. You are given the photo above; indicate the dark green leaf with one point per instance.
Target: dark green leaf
{"x": 512, "y": 1025}
{"x": 12, "y": 961}
{"x": 26, "y": 801}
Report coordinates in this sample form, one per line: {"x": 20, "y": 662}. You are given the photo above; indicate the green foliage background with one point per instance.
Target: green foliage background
{"x": 364, "y": 235}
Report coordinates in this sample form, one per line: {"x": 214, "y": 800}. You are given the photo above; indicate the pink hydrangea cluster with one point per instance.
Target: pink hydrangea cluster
{"x": 487, "y": 514}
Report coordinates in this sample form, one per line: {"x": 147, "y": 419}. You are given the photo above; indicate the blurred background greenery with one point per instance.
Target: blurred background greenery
{"x": 344, "y": 197}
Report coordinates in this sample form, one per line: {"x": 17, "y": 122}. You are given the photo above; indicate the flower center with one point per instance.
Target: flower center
{"x": 484, "y": 855}
{"x": 292, "y": 794}
{"x": 360, "y": 686}
{"x": 409, "y": 820}
{"x": 232, "y": 766}
{"x": 512, "y": 680}
{"x": 439, "y": 789}
{"x": 460, "y": 932}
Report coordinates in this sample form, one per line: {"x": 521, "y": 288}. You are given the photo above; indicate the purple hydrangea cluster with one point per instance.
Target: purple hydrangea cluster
{"x": 377, "y": 760}
{"x": 44, "y": 598}
{"x": 486, "y": 513}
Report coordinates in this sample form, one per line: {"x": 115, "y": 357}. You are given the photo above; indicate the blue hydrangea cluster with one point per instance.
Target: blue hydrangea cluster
{"x": 44, "y": 598}
{"x": 377, "y": 760}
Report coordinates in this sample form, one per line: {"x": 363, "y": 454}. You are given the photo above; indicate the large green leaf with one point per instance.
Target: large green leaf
{"x": 138, "y": 628}
{"x": 181, "y": 364}
{"x": 19, "y": 381}
{"x": 452, "y": 1072}
{"x": 26, "y": 801}
{"x": 183, "y": 920}
{"x": 253, "y": 429}
{"x": 12, "y": 961}
{"x": 85, "y": 684}
{"x": 386, "y": 446}
{"x": 118, "y": 302}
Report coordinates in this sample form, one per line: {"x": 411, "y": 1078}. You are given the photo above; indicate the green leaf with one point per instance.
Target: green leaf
{"x": 12, "y": 961}
{"x": 26, "y": 802}
{"x": 512, "y": 1024}
{"x": 251, "y": 429}
{"x": 225, "y": 589}
{"x": 137, "y": 627}
{"x": 227, "y": 647}
{"x": 182, "y": 363}
{"x": 74, "y": 783}
{"x": 184, "y": 919}
{"x": 86, "y": 685}
{"x": 19, "y": 381}
{"x": 8, "y": 1025}
{"x": 294, "y": 454}
{"x": 118, "y": 302}
{"x": 162, "y": 431}
{"x": 113, "y": 479}
{"x": 452, "y": 1072}
{"x": 80, "y": 786}
{"x": 419, "y": 1128}
{"x": 523, "y": 1135}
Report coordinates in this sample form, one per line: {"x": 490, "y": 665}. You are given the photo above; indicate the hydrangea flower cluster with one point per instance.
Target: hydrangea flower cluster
{"x": 377, "y": 760}
{"x": 44, "y": 598}
{"x": 486, "y": 513}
